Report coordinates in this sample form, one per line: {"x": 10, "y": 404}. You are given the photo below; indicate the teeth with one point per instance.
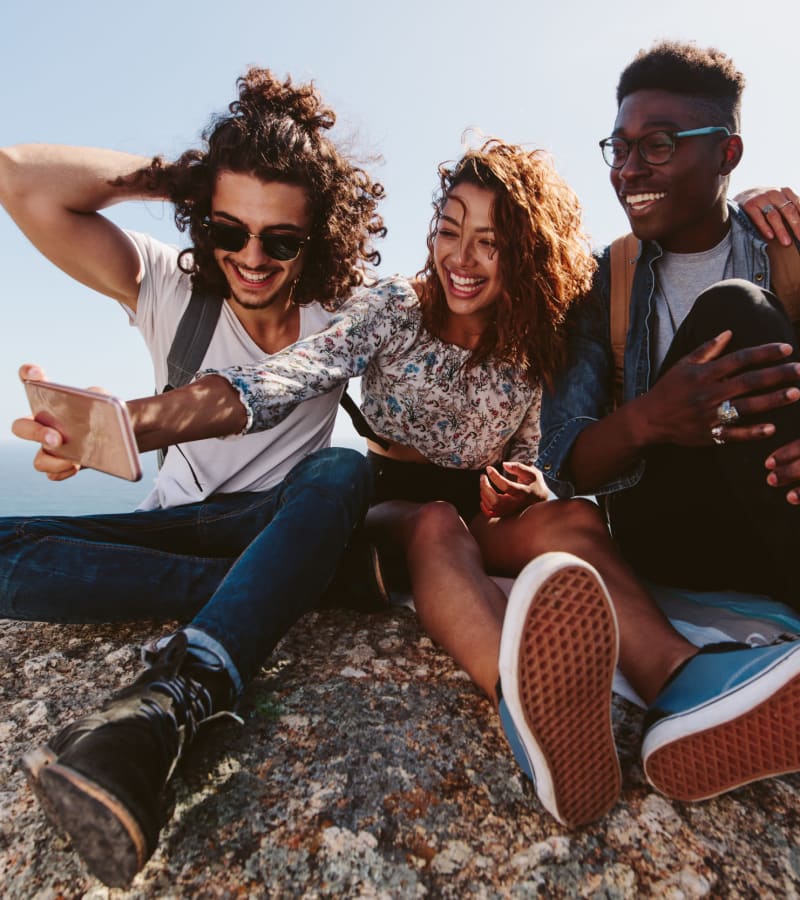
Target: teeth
{"x": 252, "y": 277}
{"x": 633, "y": 199}
{"x": 462, "y": 282}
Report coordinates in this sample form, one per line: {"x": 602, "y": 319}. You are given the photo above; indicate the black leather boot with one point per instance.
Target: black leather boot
{"x": 102, "y": 780}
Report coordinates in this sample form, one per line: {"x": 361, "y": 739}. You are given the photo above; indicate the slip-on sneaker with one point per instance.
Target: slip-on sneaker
{"x": 558, "y": 653}
{"x": 731, "y": 715}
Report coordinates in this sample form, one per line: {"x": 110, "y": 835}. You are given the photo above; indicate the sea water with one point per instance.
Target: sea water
{"x": 26, "y": 492}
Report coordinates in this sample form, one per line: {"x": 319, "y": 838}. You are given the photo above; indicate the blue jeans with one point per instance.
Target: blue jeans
{"x": 240, "y": 568}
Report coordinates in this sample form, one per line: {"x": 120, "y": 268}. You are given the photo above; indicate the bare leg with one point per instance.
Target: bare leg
{"x": 650, "y": 648}
{"x": 460, "y": 607}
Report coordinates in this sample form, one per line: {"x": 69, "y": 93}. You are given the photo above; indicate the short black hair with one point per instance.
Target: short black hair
{"x": 706, "y": 74}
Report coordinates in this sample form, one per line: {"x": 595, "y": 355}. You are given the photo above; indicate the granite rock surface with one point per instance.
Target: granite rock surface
{"x": 368, "y": 766}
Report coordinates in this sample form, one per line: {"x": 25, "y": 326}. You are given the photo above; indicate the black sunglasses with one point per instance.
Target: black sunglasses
{"x": 282, "y": 247}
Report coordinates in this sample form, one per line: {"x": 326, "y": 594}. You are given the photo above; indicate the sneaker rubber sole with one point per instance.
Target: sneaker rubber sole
{"x": 102, "y": 831}
{"x": 751, "y": 734}
{"x": 558, "y": 654}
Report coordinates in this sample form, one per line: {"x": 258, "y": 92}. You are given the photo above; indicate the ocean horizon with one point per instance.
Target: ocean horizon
{"x": 26, "y": 492}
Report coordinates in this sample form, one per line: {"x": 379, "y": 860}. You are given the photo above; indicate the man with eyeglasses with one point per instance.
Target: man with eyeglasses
{"x": 689, "y": 461}
{"x": 237, "y": 538}
{"x": 711, "y": 371}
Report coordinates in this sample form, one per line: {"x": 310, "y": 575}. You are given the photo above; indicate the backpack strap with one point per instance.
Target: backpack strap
{"x": 360, "y": 424}
{"x": 624, "y": 253}
{"x": 192, "y": 337}
{"x": 784, "y": 264}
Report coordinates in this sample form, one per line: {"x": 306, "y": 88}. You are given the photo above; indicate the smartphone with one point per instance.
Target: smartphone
{"x": 96, "y": 428}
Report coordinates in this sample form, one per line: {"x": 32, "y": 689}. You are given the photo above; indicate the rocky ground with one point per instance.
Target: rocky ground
{"x": 370, "y": 767}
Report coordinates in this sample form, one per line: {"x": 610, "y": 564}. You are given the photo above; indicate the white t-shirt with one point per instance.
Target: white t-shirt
{"x": 254, "y": 462}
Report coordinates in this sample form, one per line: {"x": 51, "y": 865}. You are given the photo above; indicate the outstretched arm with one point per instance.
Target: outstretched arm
{"x": 54, "y": 193}
{"x": 258, "y": 396}
{"x": 209, "y": 407}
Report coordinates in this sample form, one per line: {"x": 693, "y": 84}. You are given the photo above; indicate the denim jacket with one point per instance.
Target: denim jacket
{"x": 584, "y": 392}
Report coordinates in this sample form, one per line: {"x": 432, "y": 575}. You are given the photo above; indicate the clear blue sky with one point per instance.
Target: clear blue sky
{"x": 407, "y": 78}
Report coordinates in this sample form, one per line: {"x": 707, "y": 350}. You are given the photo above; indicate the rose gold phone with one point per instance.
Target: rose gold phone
{"x": 96, "y": 427}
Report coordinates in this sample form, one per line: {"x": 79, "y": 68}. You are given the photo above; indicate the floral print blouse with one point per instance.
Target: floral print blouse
{"x": 416, "y": 388}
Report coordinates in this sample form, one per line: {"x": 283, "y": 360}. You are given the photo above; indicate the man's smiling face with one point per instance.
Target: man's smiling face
{"x": 257, "y": 280}
{"x": 680, "y": 204}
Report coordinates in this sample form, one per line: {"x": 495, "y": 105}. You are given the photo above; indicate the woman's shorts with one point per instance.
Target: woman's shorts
{"x": 425, "y": 482}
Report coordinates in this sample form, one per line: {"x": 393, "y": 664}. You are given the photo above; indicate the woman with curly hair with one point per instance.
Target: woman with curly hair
{"x": 281, "y": 224}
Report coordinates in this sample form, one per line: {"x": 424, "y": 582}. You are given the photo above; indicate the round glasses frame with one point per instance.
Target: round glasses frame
{"x": 656, "y": 147}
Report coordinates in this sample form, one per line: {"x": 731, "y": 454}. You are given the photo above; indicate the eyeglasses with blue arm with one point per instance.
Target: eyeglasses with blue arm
{"x": 655, "y": 147}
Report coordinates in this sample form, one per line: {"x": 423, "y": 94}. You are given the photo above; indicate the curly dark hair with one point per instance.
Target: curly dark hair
{"x": 544, "y": 257}
{"x": 706, "y": 74}
{"x": 276, "y": 132}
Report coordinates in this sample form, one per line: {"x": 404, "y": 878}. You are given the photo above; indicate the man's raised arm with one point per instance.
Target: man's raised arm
{"x": 54, "y": 194}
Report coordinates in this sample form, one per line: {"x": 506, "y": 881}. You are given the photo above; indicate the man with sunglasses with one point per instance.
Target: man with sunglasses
{"x": 237, "y": 538}
{"x": 686, "y": 460}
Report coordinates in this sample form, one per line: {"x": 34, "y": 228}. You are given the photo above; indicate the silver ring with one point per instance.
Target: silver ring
{"x": 788, "y": 203}
{"x": 727, "y": 413}
{"x": 716, "y": 435}
{"x": 767, "y": 209}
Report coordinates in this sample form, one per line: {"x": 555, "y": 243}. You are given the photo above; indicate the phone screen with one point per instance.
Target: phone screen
{"x": 96, "y": 428}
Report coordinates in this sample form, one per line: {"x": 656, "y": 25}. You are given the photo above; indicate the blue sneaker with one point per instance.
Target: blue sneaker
{"x": 558, "y": 653}
{"x": 730, "y": 716}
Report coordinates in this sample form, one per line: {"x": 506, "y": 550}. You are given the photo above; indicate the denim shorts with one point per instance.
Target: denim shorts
{"x": 425, "y": 482}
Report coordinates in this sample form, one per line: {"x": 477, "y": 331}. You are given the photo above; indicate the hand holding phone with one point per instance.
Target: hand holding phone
{"x": 96, "y": 428}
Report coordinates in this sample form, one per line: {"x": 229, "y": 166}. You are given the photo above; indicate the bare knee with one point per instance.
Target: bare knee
{"x": 568, "y": 524}
{"x": 582, "y": 515}
{"x": 434, "y": 523}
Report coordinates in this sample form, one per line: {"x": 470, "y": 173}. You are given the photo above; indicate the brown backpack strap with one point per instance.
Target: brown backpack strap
{"x": 784, "y": 264}
{"x": 624, "y": 253}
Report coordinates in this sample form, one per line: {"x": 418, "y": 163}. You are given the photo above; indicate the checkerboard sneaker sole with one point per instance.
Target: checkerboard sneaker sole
{"x": 753, "y": 732}
{"x": 102, "y": 831}
{"x": 558, "y": 654}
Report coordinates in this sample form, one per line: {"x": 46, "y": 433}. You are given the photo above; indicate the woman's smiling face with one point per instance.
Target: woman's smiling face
{"x": 465, "y": 252}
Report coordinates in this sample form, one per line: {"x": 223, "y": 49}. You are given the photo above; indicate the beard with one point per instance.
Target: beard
{"x": 253, "y": 304}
